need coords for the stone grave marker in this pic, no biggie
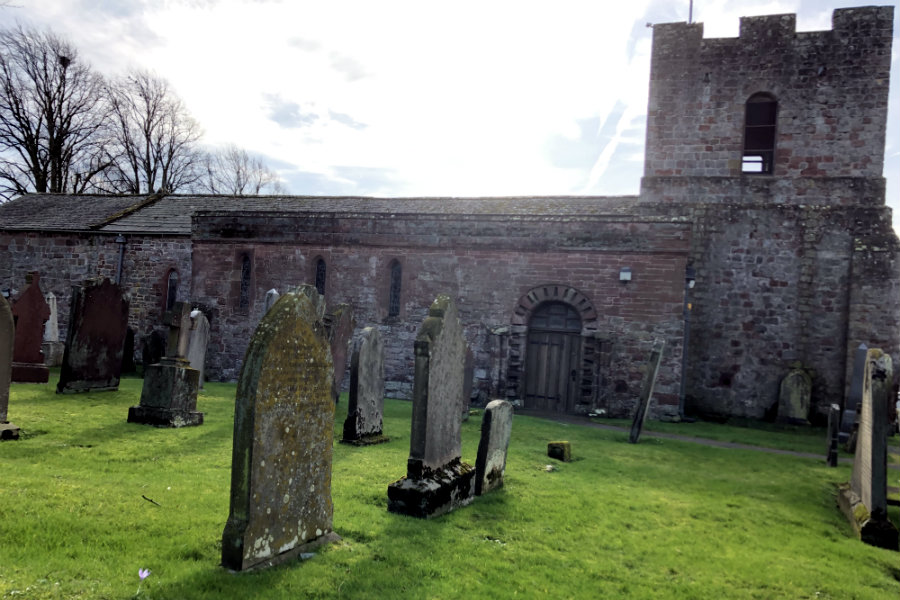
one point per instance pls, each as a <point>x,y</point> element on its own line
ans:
<point>794,397</point>
<point>363,425</point>
<point>864,499</point>
<point>30,312</point>
<point>272,297</point>
<point>437,481</point>
<point>128,365</point>
<point>490,464</point>
<point>51,346</point>
<point>169,393</point>
<point>849,422</point>
<point>560,450</point>
<point>198,343</point>
<point>281,502</point>
<point>339,324</point>
<point>643,408</point>
<point>468,376</point>
<point>8,431</point>
<point>95,340</point>
<point>834,417</point>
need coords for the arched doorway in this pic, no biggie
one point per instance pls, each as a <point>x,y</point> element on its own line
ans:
<point>553,358</point>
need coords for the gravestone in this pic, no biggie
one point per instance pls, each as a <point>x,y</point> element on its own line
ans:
<point>864,499</point>
<point>198,343</point>
<point>437,481</point>
<point>128,365</point>
<point>468,375</point>
<point>794,397</point>
<point>561,450</point>
<point>30,312</point>
<point>52,348</point>
<point>849,422</point>
<point>154,349</point>
<point>98,321</point>
<point>834,417</point>
<point>272,297</point>
<point>169,393</point>
<point>643,408</point>
<point>339,324</point>
<point>490,464</point>
<point>363,425</point>
<point>8,431</point>
<point>283,428</point>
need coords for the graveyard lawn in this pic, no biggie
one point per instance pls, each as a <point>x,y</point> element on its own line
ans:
<point>88,500</point>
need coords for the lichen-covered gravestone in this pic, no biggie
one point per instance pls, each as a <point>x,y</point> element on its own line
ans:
<point>8,431</point>
<point>794,397</point>
<point>199,340</point>
<point>864,499</point>
<point>98,322</point>
<point>496,427</point>
<point>30,311</point>
<point>169,393</point>
<point>643,407</point>
<point>283,431</point>
<point>339,324</point>
<point>437,481</point>
<point>363,425</point>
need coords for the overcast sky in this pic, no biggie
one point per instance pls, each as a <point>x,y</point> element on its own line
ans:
<point>413,98</point>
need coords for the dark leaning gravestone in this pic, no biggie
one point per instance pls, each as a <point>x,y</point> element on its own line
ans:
<point>490,464</point>
<point>365,410</point>
<point>864,499</point>
<point>8,431</point>
<point>436,481</point>
<point>169,393</point>
<point>283,430</point>
<point>849,416</point>
<point>643,408</point>
<point>339,324</point>
<point>98,321</point>
<point>30,312</point>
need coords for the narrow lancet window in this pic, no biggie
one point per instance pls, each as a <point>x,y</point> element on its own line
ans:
<point>320,276</point>
<point>759,134</point>
<point>394,300</point>
<point>171,289</point>
<point>244,302</point>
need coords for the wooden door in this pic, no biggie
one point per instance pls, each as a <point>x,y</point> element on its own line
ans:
<point>553,358</point>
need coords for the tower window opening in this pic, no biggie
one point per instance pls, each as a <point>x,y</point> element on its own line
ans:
<point>759,134</point>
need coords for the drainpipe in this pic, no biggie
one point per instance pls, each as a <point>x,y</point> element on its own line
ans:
<point>120,240</point>
<point>689,280</point>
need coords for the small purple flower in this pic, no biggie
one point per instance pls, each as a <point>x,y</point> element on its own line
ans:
<point>143,573</point>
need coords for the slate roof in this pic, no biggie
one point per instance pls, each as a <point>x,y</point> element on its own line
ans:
<point>61,212</point>
<point>172,214</point>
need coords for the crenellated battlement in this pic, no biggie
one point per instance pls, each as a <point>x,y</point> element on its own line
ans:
<point>821,98</point>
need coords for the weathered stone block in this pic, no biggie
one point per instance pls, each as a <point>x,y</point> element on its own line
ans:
<point>560,451</point>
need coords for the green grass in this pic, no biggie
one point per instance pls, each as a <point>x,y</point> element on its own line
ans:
<point>660,519</point>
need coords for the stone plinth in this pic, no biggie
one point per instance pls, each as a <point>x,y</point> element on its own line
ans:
<point>169,396</point>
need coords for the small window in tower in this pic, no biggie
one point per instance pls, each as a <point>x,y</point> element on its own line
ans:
<point>171,289</point>
<point>244,300</point>
<point>394,300</point>
<point>320,276</point>
<point>759,134</point>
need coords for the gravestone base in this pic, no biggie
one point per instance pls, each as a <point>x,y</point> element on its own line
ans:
<point>367,440</point>
<point>8,431</point>
<point>433,492</point>
<point>873,529</point>
<point>169,396</point>
<point>289,555</point>
<point>53,353</point>
<point>30,373</point>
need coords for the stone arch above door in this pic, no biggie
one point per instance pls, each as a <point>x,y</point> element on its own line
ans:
<point>592,345</point>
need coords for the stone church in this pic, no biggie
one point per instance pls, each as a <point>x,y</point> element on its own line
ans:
<point>760,242</point>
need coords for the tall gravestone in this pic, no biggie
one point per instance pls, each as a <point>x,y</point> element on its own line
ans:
<point>283,428</point>
<point>834,417</point>
<point>272,297</point>
<point>794,397</point>
<point>98,322</point>
<point>198,343</point>
<point>437,481</point>
<point>496,428</point>
<point>339,324</point>
<point>847,434</point>
<point>8,431</point>
<point>51,346</point>
<point>643,408</point>
<point>864,499</point>
<point>363,425</point>
<point>30,312</point>
<point>169,393</point>
<point>468,376</point>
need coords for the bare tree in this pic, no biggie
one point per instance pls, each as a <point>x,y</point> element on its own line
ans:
<point>233,171</point>
<point>155,136</point>
<point>52,115</point>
